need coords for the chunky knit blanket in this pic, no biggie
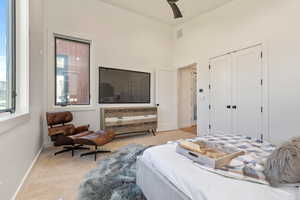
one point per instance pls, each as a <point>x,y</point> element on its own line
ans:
<point>248,167</point>
<point>114,178</point>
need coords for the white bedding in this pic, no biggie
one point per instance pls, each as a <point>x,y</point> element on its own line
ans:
<point>198,184</point>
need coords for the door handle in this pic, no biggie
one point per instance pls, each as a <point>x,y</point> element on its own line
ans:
<point>234,107</point>
<point>228,106</point>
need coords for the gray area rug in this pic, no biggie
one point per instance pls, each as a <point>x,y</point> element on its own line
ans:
<point>114,178</point>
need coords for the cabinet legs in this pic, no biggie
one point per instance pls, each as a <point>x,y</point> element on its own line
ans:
<point>153,132</point>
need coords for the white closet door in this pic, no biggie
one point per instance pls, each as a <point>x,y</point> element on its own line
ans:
<point>220,95</point>
<point>247,92</point>
<point>166,95</point>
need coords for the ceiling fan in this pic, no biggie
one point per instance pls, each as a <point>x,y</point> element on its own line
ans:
<point>176,10</point>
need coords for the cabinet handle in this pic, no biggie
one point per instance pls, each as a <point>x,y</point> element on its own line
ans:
<point>228,106</point>
<point>234,107</point>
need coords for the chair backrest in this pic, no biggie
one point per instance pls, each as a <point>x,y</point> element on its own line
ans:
<point>56,122</point>
<point>57,118</point>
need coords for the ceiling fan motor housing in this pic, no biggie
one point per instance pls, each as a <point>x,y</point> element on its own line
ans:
<point>175,9</point>
<point>172,1</point>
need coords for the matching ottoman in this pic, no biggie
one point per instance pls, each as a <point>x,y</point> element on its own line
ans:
<point>96,139</point>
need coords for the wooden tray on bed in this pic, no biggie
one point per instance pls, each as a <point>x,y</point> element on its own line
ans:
<point>205,155</point>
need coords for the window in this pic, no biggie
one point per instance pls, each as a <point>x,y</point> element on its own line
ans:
<point>72,72</point>
<point>7,56</point>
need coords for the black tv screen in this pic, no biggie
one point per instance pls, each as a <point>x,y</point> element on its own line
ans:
<point>123,86</point>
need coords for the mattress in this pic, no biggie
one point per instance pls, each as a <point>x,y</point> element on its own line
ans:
<point>156,187</point>
<point>197,183</point>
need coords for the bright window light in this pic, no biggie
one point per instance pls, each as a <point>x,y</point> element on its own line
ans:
<point>72,77</point>
<point>7,56</point>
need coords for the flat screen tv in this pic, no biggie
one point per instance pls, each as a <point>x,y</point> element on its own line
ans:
<point>123,86</point>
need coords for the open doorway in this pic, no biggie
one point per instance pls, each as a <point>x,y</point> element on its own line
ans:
<point>187,98</point>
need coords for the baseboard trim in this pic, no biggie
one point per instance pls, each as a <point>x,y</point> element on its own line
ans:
<point>27,173</point>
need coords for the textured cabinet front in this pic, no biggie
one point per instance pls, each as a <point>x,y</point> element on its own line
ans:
<point>125,120</point>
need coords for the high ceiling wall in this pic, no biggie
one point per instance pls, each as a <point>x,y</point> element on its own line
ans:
<point>20,144</point>
<point>242,23</point>
<point>120,39</point>
<point>161,11</point>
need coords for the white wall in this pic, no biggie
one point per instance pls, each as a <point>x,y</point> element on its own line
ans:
<point>241,23</point>
<point>20,144</point>
<point>123,39</point>
<point>119,39</point>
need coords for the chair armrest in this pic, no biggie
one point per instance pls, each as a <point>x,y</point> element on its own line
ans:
<point>81,129</point>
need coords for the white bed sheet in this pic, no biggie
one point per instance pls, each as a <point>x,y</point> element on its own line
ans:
<point>198,184</point>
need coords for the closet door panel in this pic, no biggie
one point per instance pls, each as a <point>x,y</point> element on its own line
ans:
<point>220,95</point>
<point>247,92</point>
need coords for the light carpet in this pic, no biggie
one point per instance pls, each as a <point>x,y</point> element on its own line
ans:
<point>58,177</point>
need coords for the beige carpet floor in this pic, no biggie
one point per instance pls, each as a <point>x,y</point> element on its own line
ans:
<point>192,129</point>
<point>58,177</point>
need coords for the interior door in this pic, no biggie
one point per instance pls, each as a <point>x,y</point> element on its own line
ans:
<point>247,92</point>
<point>166,95</point>
<point>221,94</point>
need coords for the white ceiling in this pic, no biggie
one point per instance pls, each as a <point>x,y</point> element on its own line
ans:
<point>160,9</point>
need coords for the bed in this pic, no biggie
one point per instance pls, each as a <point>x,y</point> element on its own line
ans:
<point>163,174</point>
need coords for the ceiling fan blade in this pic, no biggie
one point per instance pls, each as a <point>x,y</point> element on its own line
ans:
<point>176,11</point>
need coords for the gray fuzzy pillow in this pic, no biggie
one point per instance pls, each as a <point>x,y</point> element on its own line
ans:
<point>283,165</point>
